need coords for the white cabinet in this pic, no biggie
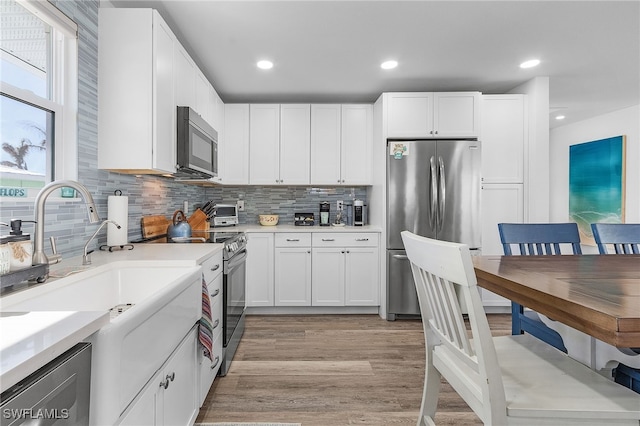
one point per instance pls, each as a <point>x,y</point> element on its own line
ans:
<point>295,143</point>
<point>500,203</point>
<point>279,144</point>
<point>504,135</point>
<point>341,144</point>
<point>264,142</point>
<point>432,114</point>
<point>342,272</point>
<point>260,264</point>
<point>136,106</point>
<point>292,269</point>
<point>234,148</point>
<point>169,398</point>
<point>208,368</point>
<point>203,105</point>
<point>185,77</point>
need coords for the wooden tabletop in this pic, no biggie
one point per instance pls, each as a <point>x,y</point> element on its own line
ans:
<point>596,294</point>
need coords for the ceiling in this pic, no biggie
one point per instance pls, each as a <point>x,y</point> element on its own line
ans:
<point>330,51</point>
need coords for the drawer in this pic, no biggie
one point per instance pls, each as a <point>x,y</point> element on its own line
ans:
<point>346,239</point>
<point>208,369</point>
<point>212,267</point>
<point>293,239</point>
<point>215,289</point>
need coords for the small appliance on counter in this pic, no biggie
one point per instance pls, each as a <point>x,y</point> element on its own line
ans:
<point>348,213</point>
<point>225,215</point>
<point>359,213</point>
<point>325,210</point>
<point>303,219</point>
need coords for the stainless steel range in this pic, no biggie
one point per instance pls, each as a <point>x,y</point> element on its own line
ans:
<point>233,289</point>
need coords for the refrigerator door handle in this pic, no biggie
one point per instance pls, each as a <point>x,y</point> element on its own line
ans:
<point>433,175</point>
<point>441,194</point>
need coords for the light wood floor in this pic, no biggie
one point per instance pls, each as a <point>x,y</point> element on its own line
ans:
<point>332,370</point>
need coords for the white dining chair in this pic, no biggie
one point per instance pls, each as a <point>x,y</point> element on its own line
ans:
<point>515,379</point>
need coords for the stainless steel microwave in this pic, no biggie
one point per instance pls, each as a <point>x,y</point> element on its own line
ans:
<point>197,146</point>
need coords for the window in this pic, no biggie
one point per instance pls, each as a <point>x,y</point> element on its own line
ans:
<point>38,102</point>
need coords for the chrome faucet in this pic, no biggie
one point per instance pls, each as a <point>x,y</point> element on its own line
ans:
<point>86,260</point>
<point>39,257</point>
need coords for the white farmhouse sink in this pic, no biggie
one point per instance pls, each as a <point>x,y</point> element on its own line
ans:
<point>164,304</point>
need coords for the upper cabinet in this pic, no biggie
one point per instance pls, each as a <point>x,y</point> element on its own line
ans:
<point>295,145</point>
<point>185,77</point>
<point>504,133</point>
<point>341,139</point>
<point>234,151</point>
<point>432,114</point>
<point>136,102</point>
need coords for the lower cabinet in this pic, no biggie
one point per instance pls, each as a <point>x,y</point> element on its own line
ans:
<point>292,269</point>
<point>169,398</point>
<point>345,269</point>
<point>313,269</point>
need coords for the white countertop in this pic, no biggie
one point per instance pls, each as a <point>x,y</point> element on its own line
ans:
<point>29,340</point>
<point>293,228</point>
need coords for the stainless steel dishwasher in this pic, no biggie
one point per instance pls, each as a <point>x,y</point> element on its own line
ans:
<point>57,394</point>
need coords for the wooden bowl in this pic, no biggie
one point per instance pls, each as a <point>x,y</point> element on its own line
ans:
<point>268,219</point>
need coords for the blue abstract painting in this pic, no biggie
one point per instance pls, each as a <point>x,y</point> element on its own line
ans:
<point>596,184</point>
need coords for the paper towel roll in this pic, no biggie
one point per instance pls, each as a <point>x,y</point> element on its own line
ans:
<point>118,211</point>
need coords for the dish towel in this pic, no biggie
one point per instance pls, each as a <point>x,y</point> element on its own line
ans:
<point>205,327</point>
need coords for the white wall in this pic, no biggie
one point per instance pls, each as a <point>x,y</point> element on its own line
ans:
<point>623,122</point>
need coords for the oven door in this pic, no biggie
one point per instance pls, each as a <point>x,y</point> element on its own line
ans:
<point>234,293</point>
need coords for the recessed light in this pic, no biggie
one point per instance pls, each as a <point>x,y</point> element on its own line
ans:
<point>530,64</point>
<point>265,65</point>
<point>559,117</point>
<point>388,65</point>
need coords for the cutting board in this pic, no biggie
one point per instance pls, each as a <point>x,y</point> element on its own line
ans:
<point>154,225</point>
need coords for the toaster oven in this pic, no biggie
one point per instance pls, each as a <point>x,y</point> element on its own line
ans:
<point>225,215</point>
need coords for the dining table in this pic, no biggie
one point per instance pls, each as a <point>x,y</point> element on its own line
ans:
<point>598,295</point>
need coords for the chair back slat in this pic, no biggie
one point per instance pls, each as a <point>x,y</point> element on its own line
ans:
<point>539,238</point>
<point>624,238</point>
<point>439,269</point>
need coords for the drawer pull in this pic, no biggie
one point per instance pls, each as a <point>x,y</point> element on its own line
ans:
<point>215,268</point>
<point>214,365</point>
<point>328,239</point>
<point>215,293</point>
<point>293,239</point>
<point>171,376</point>
<point>164,383</point>
<point>362,239</point>
<point>215,324</point>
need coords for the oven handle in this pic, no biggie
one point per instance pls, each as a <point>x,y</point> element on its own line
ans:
<point>236,261</point>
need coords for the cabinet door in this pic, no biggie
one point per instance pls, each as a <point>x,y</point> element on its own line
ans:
<point>409,115</point>
<point>203,106</point>
<point>144,409</point>
<point>362,285</point>
<point>325,144</point>
<point>357,141</point>
<point>293,276</point>
<point>504,132</point>
<point>185,78</point>
<point>327,277</point>
<point>179,398</point>
<point>260,262</point>
<point>235,145</point>
<point>456,114</point>
<point>500,203</point>
<point>264,141</point>
<point>164,152</point>
<point>295,143</point>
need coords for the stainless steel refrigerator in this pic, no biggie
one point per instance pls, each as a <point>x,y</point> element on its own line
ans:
<point>433,190</point>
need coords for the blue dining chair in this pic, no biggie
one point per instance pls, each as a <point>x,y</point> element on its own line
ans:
<point>624,237</point>
<point>531,239</point>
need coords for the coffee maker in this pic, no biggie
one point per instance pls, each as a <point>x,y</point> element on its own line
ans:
<point>359,213</point>
<point>324,213</point>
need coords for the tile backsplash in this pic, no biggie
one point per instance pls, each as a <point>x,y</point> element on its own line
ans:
<point>283,201</point>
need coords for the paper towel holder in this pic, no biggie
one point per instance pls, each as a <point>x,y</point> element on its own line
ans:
<point>114,247</point>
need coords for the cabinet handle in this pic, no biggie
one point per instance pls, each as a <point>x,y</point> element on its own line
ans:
<point>348,252</point>
<point>309,251</point>
<point>215,363</point>
<point>328,239</point>
<point>293,239</point>
<point>217,292</point>
<point>338,180</point>
<point>215,324</point>
<point>171,376</point>
<point>164,383</point>
<point>362,239</point>
<point>215,268</point>
<point>342,251</point>
<point>342,180</point>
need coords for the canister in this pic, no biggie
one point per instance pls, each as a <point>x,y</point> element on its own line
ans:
<point>348,207</point>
